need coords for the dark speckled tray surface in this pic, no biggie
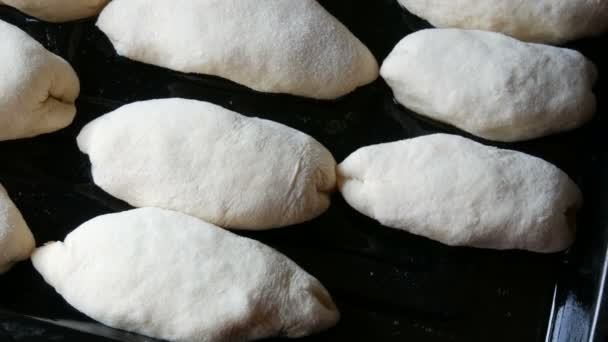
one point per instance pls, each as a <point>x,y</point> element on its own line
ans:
<point>389,285</point>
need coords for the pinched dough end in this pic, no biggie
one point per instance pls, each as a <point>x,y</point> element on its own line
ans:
<point>46,258</point>
<point>316,309</point>
<point>60,105</point>
<point>85,137</point>
<point>37,94</point>
<point>57,110</point>
<point>321,177</point>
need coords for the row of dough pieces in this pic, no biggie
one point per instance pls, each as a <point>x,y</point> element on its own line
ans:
<point>485,83</point>
<point>542,21</point>
<point>249,173</point>
<point>366,179</point>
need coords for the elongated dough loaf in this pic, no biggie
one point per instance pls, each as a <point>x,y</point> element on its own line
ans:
<point>58,11</point>
<point>275,46</point>
<point>16,239</point>
<point>171,276</point>
<point>462,193</point>
<point>209,162</point>
<point>37,87</point>
<point>543,21</point>
<point>491,85</point>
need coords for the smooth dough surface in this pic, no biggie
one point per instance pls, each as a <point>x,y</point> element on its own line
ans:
<point>16,239</point>
<point>543,21</point>
<point>58,11</point>
<point>276,46</point>
<point>462,193</point>
<point>37,87</point>
<point>171,276</point>
<point>201,159</point>
<point>491,85</point>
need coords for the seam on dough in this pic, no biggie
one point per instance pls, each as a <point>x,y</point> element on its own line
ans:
<point>351,178</point>
<point>58,99</point>
<point>318,186</point>
<point>294,178</point>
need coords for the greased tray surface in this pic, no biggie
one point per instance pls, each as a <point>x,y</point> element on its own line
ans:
<point>389,285</point>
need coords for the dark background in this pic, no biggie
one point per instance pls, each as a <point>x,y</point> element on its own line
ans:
<point>389,285</point>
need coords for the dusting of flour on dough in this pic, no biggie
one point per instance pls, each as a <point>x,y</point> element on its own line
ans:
<point>492,85</point>
<point>279,46</point>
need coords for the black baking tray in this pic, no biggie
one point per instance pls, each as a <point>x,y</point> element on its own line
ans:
<point>389,285</point>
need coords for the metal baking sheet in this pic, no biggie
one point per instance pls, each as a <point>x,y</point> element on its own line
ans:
<point>389,285</point>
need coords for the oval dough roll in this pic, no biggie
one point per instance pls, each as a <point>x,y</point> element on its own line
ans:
<point>16,239</point>
<point>209,162</point>
<point>491,85</point>
<point>58,11</point>
<point>276,46</point>
<point>37,87</point>
<point>542,21</point>
<point>462,193</point>
<point>171,276</point>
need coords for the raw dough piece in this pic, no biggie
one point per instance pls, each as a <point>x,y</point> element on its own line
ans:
<point>209,162</point>
<point>37,88</point>
<point>491,85</point>
<point>16,240</point>
<point>462,193</point>
<point>543,21</point>
<point>275,46</point>
<point>58,11</point>
<point>171,276</point>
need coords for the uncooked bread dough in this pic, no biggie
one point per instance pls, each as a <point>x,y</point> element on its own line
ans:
<point>543,21</point>
<point>58,11</point>
<point>462,193</point>
<point>275,46</point>
<point>171,276</point>
<point>37,88</point>
<point>209,162</point>
<point>491,85</point>
<point>16,239</point>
